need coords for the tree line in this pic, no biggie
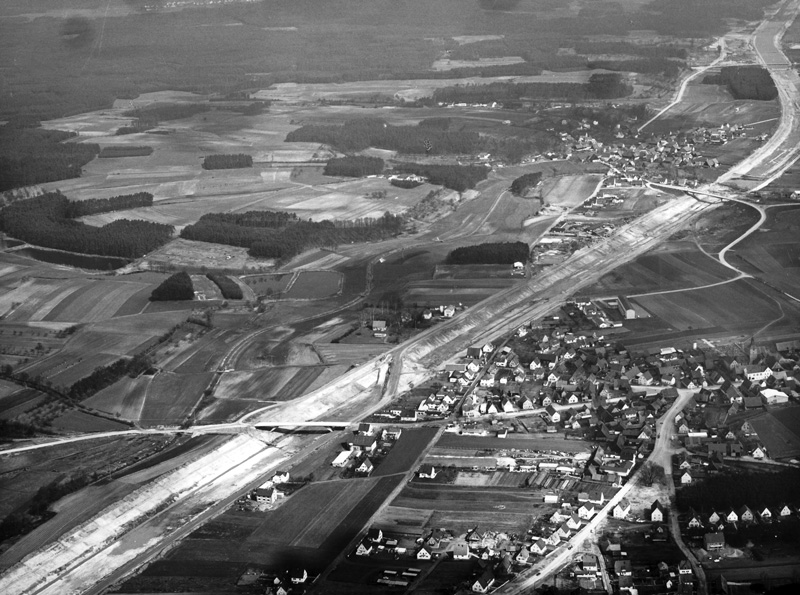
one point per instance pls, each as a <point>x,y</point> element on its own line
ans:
<point>718,492</point>
<point>92,206</point>
<point>230,161</point>
<point>490,253</point>
<point>522,184</point>
<point>34,156</point>
<point>105,376</point>
<point>45,221</point>
<point>745,82</point>
<point>229,288</point>
<point>664,66</point>
<point>355,166</point>
<point>361,133</point>
<point>455,177</point>
<point>290,239</point>
<point>116,151</point>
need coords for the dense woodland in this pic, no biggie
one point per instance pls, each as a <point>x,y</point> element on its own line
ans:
<point>455,177</point>
<point>229,288</point>
<point>116,151</point>
<point>355,166</point>
<point>45,221</point>
<point>361,133</point>
<point>230,161</point>
<point>490,253</point>
<point>261,233</point>
<point>525,182</point>
<point>176,287</point>
<point>92,206</point>
<point>745,82</point>
<point>719,492</point>
<point>600,86</point>
<point>35,156</point>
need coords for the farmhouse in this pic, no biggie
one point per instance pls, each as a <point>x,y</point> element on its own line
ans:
<point>427,471</point>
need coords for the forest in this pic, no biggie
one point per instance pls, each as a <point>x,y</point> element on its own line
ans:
<point>176,287</point>
<point>361,133</point>
<point>116,151</point>
<point>719,492</point>
<point>35,156</point>
<point>230,161</point>
<point>490,253</point>
<point>525,182</point>
<point>354,166</point>
<point>269,240</point>
<point>45,221</point>
<point>230,290</point>
<point>455,177</point>
<point>92,206</point>
<point>745,82</point>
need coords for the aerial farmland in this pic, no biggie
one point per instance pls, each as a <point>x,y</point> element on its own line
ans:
<point>398,297</point>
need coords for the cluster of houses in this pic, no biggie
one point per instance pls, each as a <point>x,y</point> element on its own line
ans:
<point>361,447</point>
<point>715,522</point>
<point>294,581</point>
<point>269,492</point>
<point>633,576</point>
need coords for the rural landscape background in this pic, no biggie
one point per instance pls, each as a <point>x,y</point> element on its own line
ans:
<point>364,297</point>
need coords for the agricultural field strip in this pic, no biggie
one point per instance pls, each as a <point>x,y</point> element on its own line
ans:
<point>321,524</point>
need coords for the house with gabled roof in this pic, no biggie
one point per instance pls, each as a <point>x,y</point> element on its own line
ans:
<point>622,509</point>
<point>539,547</point>
<point>695,522</point>
<point>657,512</point>
<point>484,581</point>
<point>745,514</point>
<point>764,513</point>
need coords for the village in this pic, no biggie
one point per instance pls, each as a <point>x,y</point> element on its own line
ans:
<point>554,421</point>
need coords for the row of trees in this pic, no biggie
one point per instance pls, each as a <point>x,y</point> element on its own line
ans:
<point>522,184</point>
<point>91,206</point>
<point>455,177</point>
<point>745,82</point>
<point>719,492</point>
<point>631,49</point>
<point>45,221</point>
<point>231,161</point>
<point>361,133</point>
<point>229,288</point>
<point>355,166</point>
<point>105,376</point>
<point>34,156</point>
<point>116,151</point>
<point>177,287</point>
<point>490,253</point>
<point>600,86</point>
<point>294,237</point>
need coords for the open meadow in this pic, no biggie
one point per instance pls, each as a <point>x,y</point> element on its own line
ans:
<point>308,529</point>
<point>677,265</point>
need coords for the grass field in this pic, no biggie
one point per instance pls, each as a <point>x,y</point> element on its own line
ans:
<point>569,191</point>
<point>79,422</point>
<point>454,291</point>
<point>773,254</point>
<point>171,397</point>
<point>124,398</point>
<point>736,306</point>
<point>779,430</point>
<point>313,285</point>
<point>674,267</point>
<point>267,284</point>
<point>308,529</point>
